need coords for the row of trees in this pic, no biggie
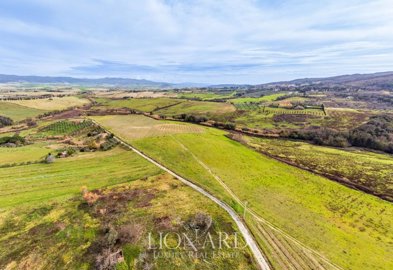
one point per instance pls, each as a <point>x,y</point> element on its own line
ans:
<point>319,136</point>
<point>376,134</point>
<point>200,119</point>
<point>192,118</point>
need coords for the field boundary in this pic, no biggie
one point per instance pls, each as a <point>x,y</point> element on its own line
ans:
<point>331,177</point>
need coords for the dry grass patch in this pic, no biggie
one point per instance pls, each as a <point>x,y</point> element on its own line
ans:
<point>51,104</point>
<point>138,126</point>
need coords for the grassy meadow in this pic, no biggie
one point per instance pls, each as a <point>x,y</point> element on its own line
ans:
<point>198,108</point>
<point>364,168</point>
<point>46,223</point>
<point>77,233</point>
<point>27,153</point>
<point>343,226</point>
<point>41,182</point>
<point>267,98</point>
<point>140,104</point>
<point>18,112</point>
<point>205,95</point>
<point>340,118</point>
<point>169,106</point>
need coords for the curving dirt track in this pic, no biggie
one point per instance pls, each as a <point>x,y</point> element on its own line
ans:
<point>259,257</point>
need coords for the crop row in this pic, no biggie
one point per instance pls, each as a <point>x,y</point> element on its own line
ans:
<point>67,127</point>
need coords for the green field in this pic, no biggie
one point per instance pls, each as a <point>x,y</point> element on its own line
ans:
<point>79,233</point>
<point>269,110</point>
<point>170,106</point>
<point>66,127</point>
<point>198,108</point>
<point>140,104</point>
<point>255,118</point>
<point>344,119</point>
<point>348,227</point>
<point>138,126</point>
<point>27,153</point>
<point>367,169</point>
<point>205,95</point>
<point>242,113</point>
<point>40,182</point>
<point>267,98</point>
<point>261,117</point>
<point>18,112</point>
<point>45,222</point>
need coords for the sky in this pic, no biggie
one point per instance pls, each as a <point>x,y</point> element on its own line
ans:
<point>205,41</point>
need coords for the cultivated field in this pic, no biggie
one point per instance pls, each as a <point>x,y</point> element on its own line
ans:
<point>205,95</point>
<point>18,112</point>
<point>267,98</point>
<point>40,182</point>
<point>140,104</point>
<point>248,112</point>
<point>28,153</point>
<point>51,104</point>
<point>137,94</point>
<point>65,127</point>
<point>369,170</point>
<point>333,225</point>
<point>170,106</point>
<point>198,108</point>
<point>138,126</point>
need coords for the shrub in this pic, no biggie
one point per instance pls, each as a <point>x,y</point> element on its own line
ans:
<point>230,126</point>
<point>16,139</point>
<point>5,121</point>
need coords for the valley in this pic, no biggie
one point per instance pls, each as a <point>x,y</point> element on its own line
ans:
<point>281,166</point>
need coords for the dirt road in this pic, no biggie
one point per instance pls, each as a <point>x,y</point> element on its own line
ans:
<point>259,257</point>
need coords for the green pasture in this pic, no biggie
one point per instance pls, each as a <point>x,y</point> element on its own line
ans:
<point>40,182</point>
<point>18,112</point>
<point>348,227</point>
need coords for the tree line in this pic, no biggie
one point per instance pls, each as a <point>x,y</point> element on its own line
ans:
<point>376,134</point>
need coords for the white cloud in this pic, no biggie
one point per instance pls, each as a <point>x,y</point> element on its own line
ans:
<point>257,40</point>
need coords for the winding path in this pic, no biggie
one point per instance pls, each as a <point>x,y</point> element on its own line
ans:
<point>262,262</point>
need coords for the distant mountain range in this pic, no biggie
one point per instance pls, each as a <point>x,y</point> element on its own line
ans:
<point>382,80</point>
<point>378,81</point>
<point>124,82</point>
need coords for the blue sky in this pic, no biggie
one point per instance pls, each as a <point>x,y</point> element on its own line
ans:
<point>209,41</point>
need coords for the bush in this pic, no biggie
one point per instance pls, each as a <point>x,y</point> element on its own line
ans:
<point>5,121</point>
<point>16,139</point>
<point>230,126</point>
<point>192,118</point>
<point>30,122</point>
